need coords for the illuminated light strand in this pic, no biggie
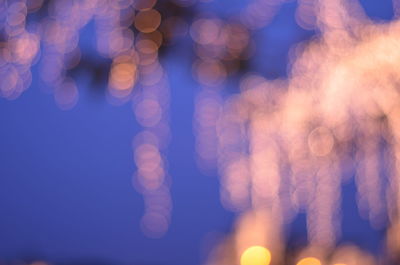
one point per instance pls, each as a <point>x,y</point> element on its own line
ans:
<point>206,32</point>
<point>219,46</point>
<point>208,105</point>
<point>60,38</point>
<point>151,109</point>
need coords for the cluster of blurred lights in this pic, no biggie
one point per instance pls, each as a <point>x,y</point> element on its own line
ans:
<point>151,178</point>
<point>19,50</point>
<point>135,62</point>
<point>220,47</point>
<point>151,110</point>
<point>281,146</point>
<point>288,145</point>
<point>344,255</point>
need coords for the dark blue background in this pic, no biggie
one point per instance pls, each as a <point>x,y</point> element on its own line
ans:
<point>65,176</point>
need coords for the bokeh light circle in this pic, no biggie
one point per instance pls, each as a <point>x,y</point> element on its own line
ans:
<point>256,255</point>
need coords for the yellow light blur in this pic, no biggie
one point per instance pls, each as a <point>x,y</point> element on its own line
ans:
<point>256,255</point>
<point>309,261</point>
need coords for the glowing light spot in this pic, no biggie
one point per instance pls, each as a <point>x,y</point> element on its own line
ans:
<point>210,72</point>
<point>154,36</point>
<point>309,261</point>
<point>256,255</point>
<point>122,76</point>
<point>154,225</point>
<point>146,46</point>
<point>147,21</point>
<point>25,48</point>
<point>148,112</point>
<point>120,40</point>
<point>205,31</point>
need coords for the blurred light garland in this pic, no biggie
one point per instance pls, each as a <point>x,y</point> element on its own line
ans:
<point>134,64</point>
<point>288,145</point>
<point>281,146</point>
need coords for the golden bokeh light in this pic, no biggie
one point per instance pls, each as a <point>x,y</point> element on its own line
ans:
<point>309,261</point>
<point>154,36</point>
<point>255,255</point>
<point>148,20</point>
<point>210,73</point>
<point>123,76</point>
